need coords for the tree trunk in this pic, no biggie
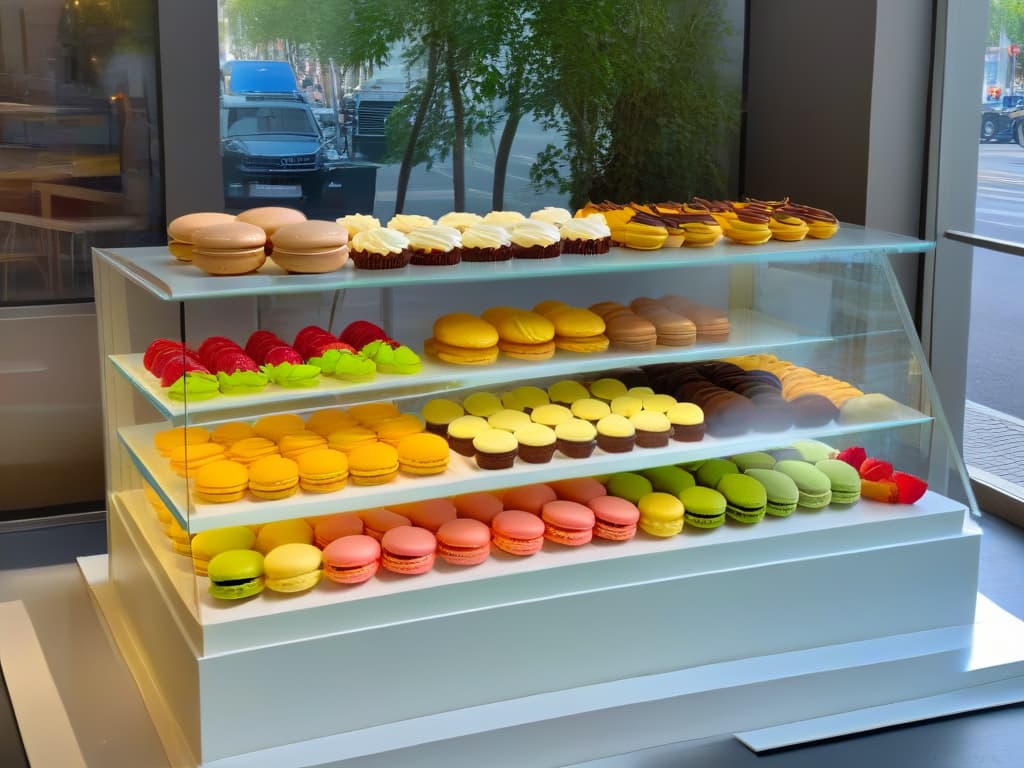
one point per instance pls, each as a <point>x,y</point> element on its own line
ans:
<point>459,142</point>
<point>508,135</point>
<point>405,170</point>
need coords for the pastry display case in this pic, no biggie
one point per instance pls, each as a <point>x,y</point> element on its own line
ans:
<point>567,633</point>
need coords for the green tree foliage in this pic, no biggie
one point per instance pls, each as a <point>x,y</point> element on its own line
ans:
<point>1006,15</point>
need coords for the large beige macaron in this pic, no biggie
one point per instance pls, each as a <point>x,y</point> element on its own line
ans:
<point>232,248</point>
<point>181,231</point>
<point>270,219</point>
<point>310,247</point>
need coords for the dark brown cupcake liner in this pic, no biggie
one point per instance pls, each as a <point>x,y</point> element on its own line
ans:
<point>436,258</point>
<point>503,253</point>
<point>610,444</point>
<point>688,433</point>
<point>495,460</point>
<point>575,449</point>
<point>367,260</point>
<point>645,439</point>
<point>462,445</point>
<point>587,247</point>
<point>536,454</point>
<point>437,429</point>
<point>536,251</point>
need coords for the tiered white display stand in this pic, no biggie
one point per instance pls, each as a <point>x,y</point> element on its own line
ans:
<point>841,620</point>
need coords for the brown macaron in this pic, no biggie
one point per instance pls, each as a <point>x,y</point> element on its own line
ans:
<point>231,248</point>
<point>270,219</point>
<point>631,333</point>
<point>310,247</point>
<point>181,231</point>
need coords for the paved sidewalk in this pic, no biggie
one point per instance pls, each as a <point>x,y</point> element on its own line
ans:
<point>994,447</point>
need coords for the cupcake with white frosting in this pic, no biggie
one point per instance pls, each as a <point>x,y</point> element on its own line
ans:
<point>460,220</point>
<point>486,242</point>
<point>505,219</point>
<point>534,239</point>
<point>588,235</point>
<point>380,249</point>
<point>407,222</point>
<point>355,223</point>
<point>552,215</point>
<point>435,246</point>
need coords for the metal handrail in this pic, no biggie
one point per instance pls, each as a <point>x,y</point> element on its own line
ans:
<point>989,243</point>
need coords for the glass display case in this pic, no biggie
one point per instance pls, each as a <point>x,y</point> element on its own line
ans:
<point>725,596</point>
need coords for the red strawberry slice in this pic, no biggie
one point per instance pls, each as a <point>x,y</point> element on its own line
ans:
<point>154,349</point>
<point>170,354</point>
<point>911,487</point>
<point>231,360</point>
<point>282,354</point>
<point>210,349</point>
<point>361,332</point>
<point>854,456</point>
<point>260,343</point>
<point>178,367</point>
<point>875,469</point>
<point>882,490</point>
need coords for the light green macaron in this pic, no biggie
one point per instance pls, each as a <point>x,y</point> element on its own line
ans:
<point>669,479</point>
<point>780,489</point>
<point>745,498</point>
<point>711,472</point>
<point>844,479</point>
<point>628,485</point>
<point>705,507</point>
<point>753,460</point>
<point>813,484</point>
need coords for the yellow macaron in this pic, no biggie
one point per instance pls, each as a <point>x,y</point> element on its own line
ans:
<point>274,477</point>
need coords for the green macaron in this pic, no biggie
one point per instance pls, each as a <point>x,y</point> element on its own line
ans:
<point>629,486</point>
<point>753,460</point>
<point>669,479</point>
<point>704,507</point>
<point>845,480</point>
<point>814,450</point>
<point>235,574</point>
<point>711,472</point>
<point>745,498</point>
<point>813,484</point>
<point>780,489</point>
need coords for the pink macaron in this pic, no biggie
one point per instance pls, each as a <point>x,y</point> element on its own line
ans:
<point>568,523</point>
<point>351,559</point>
<point>517,532</point>
<point>478,506</point>
<point>377,522</point>
<point>578,489</point>
<point>529,498</point>
<point>615,518</point>
<point>408,550</point>
<point>464,542</point>
<point>335,527</point>
<point>430,514</point>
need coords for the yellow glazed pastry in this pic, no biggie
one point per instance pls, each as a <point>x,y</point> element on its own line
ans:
<point>786,226</point>
<point>645,232</point>
<point>821,224</point>
<point>748,228</point>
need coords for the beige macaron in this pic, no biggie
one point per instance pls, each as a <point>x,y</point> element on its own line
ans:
<point>232,248</point>
<point>310,247</point>
<point>270,219</point>
<point>181,231</point>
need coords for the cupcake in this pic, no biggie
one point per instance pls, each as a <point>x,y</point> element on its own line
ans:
<point>358,222</point>
<point>379,249</point>
<point>461,432</point>
<point>653,429</point>
<point>460,220</point>
<point>504,219</point>
<point>588,236</point>
<point>536,443</point>
<point>535,240</point>
<point>508,420</point>
<point>439,413</point>
<point>590,409</point>
<point>607,389</point>
<point>567,392</point>
<point>687,420</point>
<point>435,246</point>
<point>406,222</point>
<point>626,405</point>
<point>486,242</point>
<point>616,434</point>
<point>495,449</point>
<point>576,438</point>
<point>552,215</point>
<point>525,398</point>
<point>550,415</point>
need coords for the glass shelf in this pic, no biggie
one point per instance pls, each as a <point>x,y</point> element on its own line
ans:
<point>155,270</point>
<point>750,331</point>
<point>462,475</point>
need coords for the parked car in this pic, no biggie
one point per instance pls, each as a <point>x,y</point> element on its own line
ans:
<point>368,109</point>
<point>1003,124</point>
<point>267,77</point>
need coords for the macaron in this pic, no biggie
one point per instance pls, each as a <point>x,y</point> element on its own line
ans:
<point>346,439</point>
<point>229,248</point>
<point>373,464</point>
<point>310,247</point>
<point>430,514</point>
<point>616,518</point>
<point>781,491</point>
<point>271,218</point>
<point>480,506</point>
<point>843,478</point>
<point>277,425</point>
<point>517,532</point>
<point>252,449</point>
<point>167,440</point>
<point>615,434</point>
<point>704,507</point>
<point>187,460</point>
<point>464,542</point>
<point>529,498</point>
<point>568,523</point>
<point>273,535</point>
<point>578,489</point>
<point>495,449</point>
<point>753,460</point>
<point>464,339</point>
<point>672,480</point>
<point>576,438</point>
<point>181,231</point>
<point>408,550</point>
<point>377,522</point>
<point>423,454</point>
<point>712,470</point>
<point>292,568</point>
<point>628,485</point>
<point>208,544</point>
<point>327,420</point>
<point>322,470</point>
<point>181,540</point>
<point>220,482</point>
<point>392,431</point>
<point>745,497</point>
<point>536,443</point>
<point>236,574</point>
<point>814,486</point>
<point>461,432</point>
<point>274,477</point>
<point>371,414</point>
<point>230,432</point>
<point>814,451</point>
<point>337,526</point>
<point>351,559</point>
<point>661,514</point>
